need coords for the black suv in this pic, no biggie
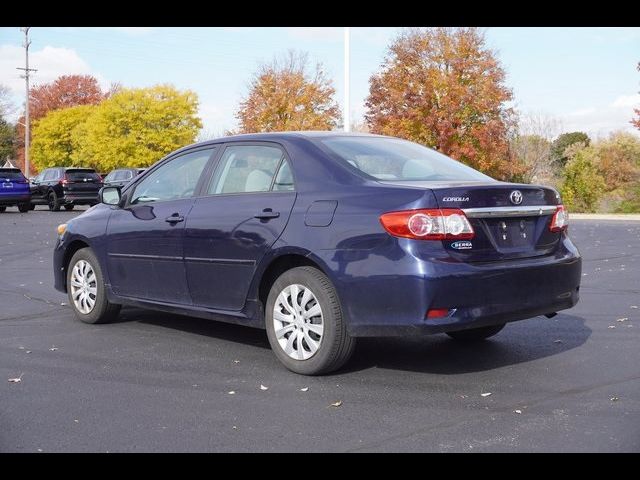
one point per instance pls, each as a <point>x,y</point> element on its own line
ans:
<point>65,187</point>
<point>121,176</point>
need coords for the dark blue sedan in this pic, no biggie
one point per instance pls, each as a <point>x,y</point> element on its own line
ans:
<point>322,237</point>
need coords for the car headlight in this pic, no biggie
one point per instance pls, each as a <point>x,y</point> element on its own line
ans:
<point>61,229</point>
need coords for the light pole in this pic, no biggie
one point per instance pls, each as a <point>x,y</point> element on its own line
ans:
<point>26,69</point>
<point>347,101</point>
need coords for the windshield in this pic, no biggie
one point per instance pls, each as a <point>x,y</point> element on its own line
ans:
<point>387,158</point>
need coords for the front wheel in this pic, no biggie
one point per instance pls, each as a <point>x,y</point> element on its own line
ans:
<point>476,334</point>
<point>23,207</point>
<point>304,323</point>
<point>85,287</point>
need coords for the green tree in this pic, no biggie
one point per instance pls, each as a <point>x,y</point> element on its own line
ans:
<point>136,127</point>
<point>54,141</point>
<point>7,141</point>
<point>564,141</point>
<point>583,185</point>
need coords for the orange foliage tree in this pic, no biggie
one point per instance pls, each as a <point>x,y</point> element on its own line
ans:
<point>285,95</point>
<point>65,91</point>
<point>444,88</point>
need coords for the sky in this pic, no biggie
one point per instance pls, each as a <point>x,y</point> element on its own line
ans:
<point>584,78</point>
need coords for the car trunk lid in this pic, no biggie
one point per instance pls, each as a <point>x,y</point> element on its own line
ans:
<point>80,180</point>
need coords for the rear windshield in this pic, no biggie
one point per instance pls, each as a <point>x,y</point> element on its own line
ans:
<point>75,175</point>
<point>386,158</point>
<point>11,175</point>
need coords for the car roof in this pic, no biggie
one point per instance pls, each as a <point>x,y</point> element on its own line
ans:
<point>276,136</point>
<point>9,169</point>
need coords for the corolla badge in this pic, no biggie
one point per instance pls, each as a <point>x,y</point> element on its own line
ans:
<point>455,199</point>
<point>462,245</point>
<point>516,197</point>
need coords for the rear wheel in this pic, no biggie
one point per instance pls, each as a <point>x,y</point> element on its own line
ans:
<point>23,207</point>
<point>53,202</point>
<point>304,323</point>
<point>68,208</point>
<point>476,334</point>
<point>86,290</point>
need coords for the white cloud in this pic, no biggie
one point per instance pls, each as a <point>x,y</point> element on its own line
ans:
<point>600,121</point>
<point>627,101</point>
<point>51,62</point>
<point>331,34</point>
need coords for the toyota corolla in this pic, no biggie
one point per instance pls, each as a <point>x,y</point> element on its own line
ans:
<point>321,238</point>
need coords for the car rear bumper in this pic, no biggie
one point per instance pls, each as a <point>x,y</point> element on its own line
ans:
<point>396,301</point>
<point>14,198</point>
<point>80,198</point>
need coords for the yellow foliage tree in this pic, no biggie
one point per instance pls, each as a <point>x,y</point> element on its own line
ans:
<point>137,127</point>
<point>53,137</point>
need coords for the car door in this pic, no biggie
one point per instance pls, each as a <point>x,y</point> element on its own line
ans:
<point>145,237</point>
<point>49,180</point>
<point>241,213</point>
<point>34,186</point>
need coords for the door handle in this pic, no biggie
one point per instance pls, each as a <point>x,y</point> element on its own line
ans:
<point>175,218</point>
<point>267,214</point>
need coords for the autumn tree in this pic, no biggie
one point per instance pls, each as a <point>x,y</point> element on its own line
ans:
<point>287,95</point>
<point>54,141</point>
<point>564,141</point>
<point>636,121</point>
<point>444,88</point>
<point>65,91</point>
<point>136,127</point>
<point>618,159</point>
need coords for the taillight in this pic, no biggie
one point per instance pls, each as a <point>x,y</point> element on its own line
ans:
<point>64,181</point>
<point>428,224</point>
<point>560,219</point>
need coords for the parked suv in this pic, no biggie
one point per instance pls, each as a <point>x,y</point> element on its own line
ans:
<point>14,190</point>
<point>65,187</point>
<point>121,176</point>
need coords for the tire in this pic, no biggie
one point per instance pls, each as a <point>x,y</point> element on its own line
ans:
<point>334,346</point>
<point>476,334</point>
<point>69,207</point>
<point>53,201</point>
<point>23,207</point>
<point>2,209</point>
<point>32,207</point>
<point>102,310</point>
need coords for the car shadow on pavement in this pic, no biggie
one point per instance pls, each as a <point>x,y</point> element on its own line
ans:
<point>518,342</point>
<point>198,326</point>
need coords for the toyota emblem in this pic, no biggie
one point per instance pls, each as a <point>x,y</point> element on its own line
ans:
<point>516,197</point>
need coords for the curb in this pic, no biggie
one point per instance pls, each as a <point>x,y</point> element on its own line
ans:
<point>628,217</point>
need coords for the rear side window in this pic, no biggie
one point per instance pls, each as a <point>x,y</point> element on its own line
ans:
<point>81,175</point>
<point>385,158</point>
<point>246,168</point>
<point>11,175</point>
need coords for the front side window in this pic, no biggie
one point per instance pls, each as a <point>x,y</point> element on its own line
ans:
<point>174,180</point>
<point>111,176</point>
<point>246,168</point>
<point>50,175</point>
<point>385,158</point>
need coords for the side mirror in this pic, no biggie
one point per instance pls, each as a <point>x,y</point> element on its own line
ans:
<point>110,195</point>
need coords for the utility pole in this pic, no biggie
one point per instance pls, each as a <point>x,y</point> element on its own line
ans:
<point>26,69</point>
<point>347,101</point>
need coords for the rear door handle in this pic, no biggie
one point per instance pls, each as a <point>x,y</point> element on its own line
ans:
<point>175,218</point>
<point>266,214</point>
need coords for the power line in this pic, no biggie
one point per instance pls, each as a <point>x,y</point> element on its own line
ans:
<point>27,71</point>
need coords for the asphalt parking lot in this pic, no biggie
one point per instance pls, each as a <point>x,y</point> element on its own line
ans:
<point>160,382</point>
